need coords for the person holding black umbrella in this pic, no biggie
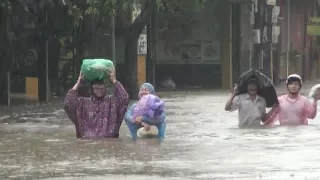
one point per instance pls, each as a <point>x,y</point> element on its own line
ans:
<point>250,105</point>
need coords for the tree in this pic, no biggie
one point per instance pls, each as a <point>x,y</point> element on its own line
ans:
<point>4,6</point>
<point>84,13</point>
<point>131,30</point>
<point>23,24</point>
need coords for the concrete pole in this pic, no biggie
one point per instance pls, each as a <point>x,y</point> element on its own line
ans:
<point>154,45</point>
<point>288,35</point>
<point>47,64</point>
<point>9,89</point>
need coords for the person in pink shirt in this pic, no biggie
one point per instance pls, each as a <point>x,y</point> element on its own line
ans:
<point>293,109</point>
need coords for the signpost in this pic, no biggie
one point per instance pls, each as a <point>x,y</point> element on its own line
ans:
<point>141,49</point>
<point>313,26</point>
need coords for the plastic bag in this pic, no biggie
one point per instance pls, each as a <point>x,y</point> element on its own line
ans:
<point>314,91</point>
<point>143,133</point>
<point>265,89</point>
<point>96,69</point>
<point>149,105</point>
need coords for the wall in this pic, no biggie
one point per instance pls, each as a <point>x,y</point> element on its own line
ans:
<point>226,48</point>
<point>190,39</point>
<point>297,28</point>
<point>191,52</point>
<point>188,47</point>
<point>298,39</point>
<point>246,47</point>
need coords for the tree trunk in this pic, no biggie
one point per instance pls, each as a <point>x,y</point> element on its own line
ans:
<point>131,66</point>
<point>132,33</point>
<point>5,67</point>
<point>41,64</point>
<point>5,54</point>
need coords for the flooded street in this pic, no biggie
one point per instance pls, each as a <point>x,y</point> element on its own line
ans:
<point>202,142</point>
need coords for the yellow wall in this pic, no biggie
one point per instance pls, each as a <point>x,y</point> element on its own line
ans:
<point>141,58</point>
<point>226,49</point>
<point>141,69</point>
<point>32,88</point>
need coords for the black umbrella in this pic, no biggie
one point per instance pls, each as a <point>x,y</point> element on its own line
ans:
<point>266,88</point>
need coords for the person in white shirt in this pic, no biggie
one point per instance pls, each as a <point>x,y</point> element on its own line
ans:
<point>251,106</point>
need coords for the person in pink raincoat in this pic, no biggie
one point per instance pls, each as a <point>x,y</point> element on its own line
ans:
<point>99,115</point>
<point>293,109</point>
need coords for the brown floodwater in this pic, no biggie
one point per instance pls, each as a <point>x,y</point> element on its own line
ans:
<point>202,142</point>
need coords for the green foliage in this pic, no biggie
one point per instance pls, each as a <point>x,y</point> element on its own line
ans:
<point>77,15</point>
<point>93,8</point>
<point>176,7</point>
<point>5,4</point>
<point>102,8</point>
<point>65,41</point>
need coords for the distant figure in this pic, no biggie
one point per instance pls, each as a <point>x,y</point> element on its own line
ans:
<point>168,83</point>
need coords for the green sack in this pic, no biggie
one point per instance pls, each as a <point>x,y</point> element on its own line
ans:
<point>96,69</point>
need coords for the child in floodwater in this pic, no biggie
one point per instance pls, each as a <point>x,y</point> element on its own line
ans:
<point>149,105</point>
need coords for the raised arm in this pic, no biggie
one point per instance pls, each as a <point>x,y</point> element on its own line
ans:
<point>310,109</point>
<point>271,117</point>
<point>70,104</point>
<point>121,95</point>
<point>72,100</point>
<point>122,99</point>
<point>233,103</point>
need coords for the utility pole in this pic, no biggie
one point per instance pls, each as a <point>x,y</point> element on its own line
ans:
<point>73,49</point>
<point>288,34</point>
<point>47,60</point>
<point>263,49</point>
<point>269,23</point>
<point>269,43</point>
<point>258,28</point>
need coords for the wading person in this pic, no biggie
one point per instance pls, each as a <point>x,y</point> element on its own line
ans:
<point>293,109</point>
<point>251,106</point>
<point>99,115</point>
<point>145,121</point>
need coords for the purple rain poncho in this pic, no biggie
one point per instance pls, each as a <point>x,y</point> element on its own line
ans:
<point>149,105</point>
<point>97,117</point>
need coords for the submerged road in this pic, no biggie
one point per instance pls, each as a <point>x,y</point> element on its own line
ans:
<point>203,142</point>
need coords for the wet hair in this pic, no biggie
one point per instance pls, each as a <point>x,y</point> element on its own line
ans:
<point>97,81</point>
<point>253,81</point>
<point>294,79</point>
